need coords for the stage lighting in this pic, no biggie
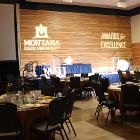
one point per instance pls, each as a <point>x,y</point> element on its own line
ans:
<point>122,65</point>
<point>69,1</point>
<point>122,3</point>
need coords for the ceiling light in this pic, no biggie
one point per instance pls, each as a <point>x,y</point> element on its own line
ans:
<point>69,1</point>
<point>122,4</point>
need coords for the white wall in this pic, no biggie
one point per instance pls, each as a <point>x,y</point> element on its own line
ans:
<point>135,29</point>
<point>7,32</point>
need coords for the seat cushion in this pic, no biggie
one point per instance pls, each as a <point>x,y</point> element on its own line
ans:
<point>42,126</point>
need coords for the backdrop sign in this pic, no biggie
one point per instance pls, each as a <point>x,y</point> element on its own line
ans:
<point>113,40</point>
<point>41,41</point>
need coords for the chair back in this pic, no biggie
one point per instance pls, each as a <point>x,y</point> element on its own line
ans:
<point>84,75</point>
<point>131,95</point>
<point>120,73</point>
<point>53,75</point>
<point>95,77</point>
<point>66,91</point>
<point>128,74</point>
<point>14,86</point>
<point>71,99</point>
<point>69,75</point>
<point>8,117</point>
<point>57,110</point>
<point>55,81</point>
<point>75,82</point>
<point>99,92</point>
<point>92,81</point>
<point>3,86</point>
<point>46,87</point>
<point>122,78</point>
<point>105,83</point>
<point>137,75</point>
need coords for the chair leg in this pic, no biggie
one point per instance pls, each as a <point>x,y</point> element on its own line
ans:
<point>68,126</point>
<point>61,134</point>
<point>64,131</point>
<point>97,110</point>
<point>108,115</point>
<point>53,136</point>
<point>122,115</point>
<point>72,127</point>
<point>100,108</point>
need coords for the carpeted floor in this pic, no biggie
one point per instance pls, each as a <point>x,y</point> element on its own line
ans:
<point>88,127</point>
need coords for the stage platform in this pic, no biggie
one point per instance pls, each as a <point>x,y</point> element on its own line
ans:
<point>77,69</point>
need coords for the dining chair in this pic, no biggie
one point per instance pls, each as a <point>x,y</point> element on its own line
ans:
<point>105,83</point>
<point>3,86</point>
<point>75,84</point>
<point>46,87</point>
<point>9,126</point>
<point>84,75</point>
<point>88,89</point>
<point>71,98</point>
<point>130,99</point>
<point>103,101</point>
<point>56,83</point>
<point>15,86</point>
<point>136,76</point>
<point>66,90</point>
<point>53,123</point>
<point>69,74</point>
<point>129,76</point>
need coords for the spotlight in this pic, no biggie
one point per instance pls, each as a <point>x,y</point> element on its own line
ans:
<point>68,1</point>
<point>123,65</point>
<point>122,3</point>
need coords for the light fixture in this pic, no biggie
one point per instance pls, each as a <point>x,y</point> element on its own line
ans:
<point>122,65</point>
<point>122,3</point>
<point>68,1</point>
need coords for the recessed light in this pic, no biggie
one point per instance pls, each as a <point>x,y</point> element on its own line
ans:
<point>69,1</point>
<point>122,3</point>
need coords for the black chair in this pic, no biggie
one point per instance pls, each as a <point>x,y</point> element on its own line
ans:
<point>120,73</point>
<point>71,98</point>
<point>75,84</point>
<point>87,89</point>
<point>96,77</point>
<point>9,126</point>
<point>69,75</point>
<point>123,79</point>
<point>55,82</point>
<point>14,86</point>
<point>84,75</point>
<point>3,86</point>
<point>103,101</point>
<point>105,83</point>
<point>136,76</point>
<point>66,91</point>
<point>46,87</point>
<point>130,99</point>
<point>129,77</point>
<point>53,123</point>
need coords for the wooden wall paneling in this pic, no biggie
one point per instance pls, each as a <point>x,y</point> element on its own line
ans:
<point>79,35</point>
<point>136,55</point>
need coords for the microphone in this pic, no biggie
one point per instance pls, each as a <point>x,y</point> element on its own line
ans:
<point>58,57</point>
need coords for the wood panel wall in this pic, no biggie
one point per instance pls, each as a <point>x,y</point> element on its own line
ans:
<point>136,55</point>
<point>79,35</point>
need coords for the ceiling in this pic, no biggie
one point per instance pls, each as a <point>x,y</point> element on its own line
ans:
<point>94,3</point>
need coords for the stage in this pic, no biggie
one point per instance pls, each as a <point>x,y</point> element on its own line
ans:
<point>77,69</point>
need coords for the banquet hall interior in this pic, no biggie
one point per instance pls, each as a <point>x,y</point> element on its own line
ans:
<point>69,69</point>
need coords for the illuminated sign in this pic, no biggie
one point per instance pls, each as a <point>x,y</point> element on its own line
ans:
<point>113,40</point>
<point>41,40</point>
<point>41,31</point>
